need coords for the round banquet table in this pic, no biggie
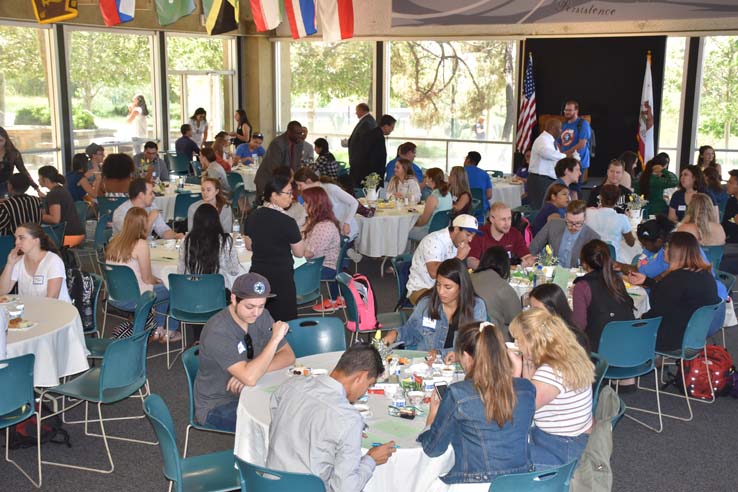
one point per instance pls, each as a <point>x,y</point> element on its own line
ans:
<point>57,340</point>
<point>165,203</point>
<point>508,193</point>
<point>386,233</point>
<point>408,470</point>
<point>248,173</point>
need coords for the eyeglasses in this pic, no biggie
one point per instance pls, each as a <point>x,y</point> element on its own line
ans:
<point>290,193</point>
<point>249,346</point>
<point>575,225</point>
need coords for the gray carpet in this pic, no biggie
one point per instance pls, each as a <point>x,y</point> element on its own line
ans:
<point>694,456</point>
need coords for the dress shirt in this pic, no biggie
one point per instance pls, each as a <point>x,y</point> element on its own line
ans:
<point>566,246</point>
<point>544,156</point>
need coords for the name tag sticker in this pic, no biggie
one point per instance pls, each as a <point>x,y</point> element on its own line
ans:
<point>682,208</point>
<point>241,347</point>
<point>429,323</point>
<point>38,280</point>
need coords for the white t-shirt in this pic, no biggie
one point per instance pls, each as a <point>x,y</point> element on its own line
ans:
<point>609,224</point>
<point>51,266</point>
<point>436,246</point>
<point>570,413</point>
<point>138,125</point>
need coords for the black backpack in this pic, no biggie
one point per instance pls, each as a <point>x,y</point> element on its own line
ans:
<point>81,287</point>
<point>23,434</point>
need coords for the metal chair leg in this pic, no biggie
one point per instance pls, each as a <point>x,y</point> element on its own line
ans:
<point>35,483</point>
<point>657,412</point>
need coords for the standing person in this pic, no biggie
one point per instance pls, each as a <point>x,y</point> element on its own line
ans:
<point>691,182</point>
<point>185,145</point>
<point>575,136</point>
<point>83,181</point>
<point>491,281</point>
<point>406,150</point>
<point>372,154</point>
<point>654,179</point>
<point>403,183</point>
<point>554,207</point>
<point>479,131</point>
<point>707,159</point>
<point>478,178</point>
<point>285,151</point>
<point>308,152</point>
<point>325,164</point>
<point>355,141</point>
<point>149,165</point>
<point>60,206</point>
<point>11,158</point>
<point>544,154</point>
<point>566,237</point>
<point>274,238</point>
<point>701,221</point>
<point>458,185</point>
<point>615,174</point>
<point>199,123</point>
<point>243,128</point>
<point>137,113</point>
<point>211,168</point>
<point>343,204</point>
<point>486,417</point>
<point>611,226</point>
<point>320,411</point>
<point>248,153</point>
<point>439,201</point>
<point>212,194</point>
<point>500,232</point>
<point>19,208</point>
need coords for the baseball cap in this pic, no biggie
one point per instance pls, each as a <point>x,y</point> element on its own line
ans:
<point>250,286</point>
<point>467,222</point>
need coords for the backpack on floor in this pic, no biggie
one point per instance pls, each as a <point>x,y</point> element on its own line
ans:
<point>81,287</point>
<point>720,366</point>
<point>125,329</point>
<point>366,308</point>
<point>23,434</point>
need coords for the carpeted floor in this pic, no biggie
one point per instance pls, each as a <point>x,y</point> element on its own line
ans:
<point>686,456</point>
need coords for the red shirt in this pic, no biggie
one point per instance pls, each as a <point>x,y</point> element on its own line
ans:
<point>513,242</point>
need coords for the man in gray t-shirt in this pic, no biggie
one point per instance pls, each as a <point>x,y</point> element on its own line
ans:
<point>237,347</point>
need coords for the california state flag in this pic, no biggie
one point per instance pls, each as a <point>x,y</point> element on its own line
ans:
<point>645,117</point>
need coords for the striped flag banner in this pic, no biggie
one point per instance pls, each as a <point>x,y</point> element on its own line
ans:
<point>115,12</point>
<point>527,116</point>
<point>267,14</point>
<point>645,117</point>
<point>301,16</point>
<point>221,16</point>
<point>336,19</point>
<point>48,12</point>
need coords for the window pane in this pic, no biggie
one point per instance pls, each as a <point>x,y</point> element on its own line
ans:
<point>671,100</point>
<point>107,72</point>
<point>25,108</point>
<point>718,111</point>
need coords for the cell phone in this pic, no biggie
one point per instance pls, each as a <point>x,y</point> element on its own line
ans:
<point>441,389</point>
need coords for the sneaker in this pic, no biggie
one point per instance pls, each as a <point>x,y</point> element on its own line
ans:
<point>327,306</point>
<point>339,303</point>
<point>354,255</point>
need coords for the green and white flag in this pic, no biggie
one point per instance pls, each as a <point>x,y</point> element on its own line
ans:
<point>170,11</point>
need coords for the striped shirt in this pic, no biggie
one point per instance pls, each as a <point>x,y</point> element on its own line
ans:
<point>18,210</point>
<point>570,413</point>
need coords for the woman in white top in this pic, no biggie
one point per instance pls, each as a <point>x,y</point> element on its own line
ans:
<point>562,373</point>
<point>130,248</point>
<point>611,226</point>
<point>199,123</point>
<point>137,113</point>
<point>404,184</point>
<point>212,195</point>
<point>34,265</point>
<point>701,221</point>
<point>344,205</point>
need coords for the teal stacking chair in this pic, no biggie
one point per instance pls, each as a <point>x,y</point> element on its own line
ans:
<point>553,480</point>
<point>728,280</point>
<point>189,306</point>
<point>97,346</point>
<point>478,211</point>
<point>182,204</point>
<point>316,335</point>
<point>601,366</point>
<point>214,472</point>
<point>180,165</point>
<point>121,374</point>
<point>107,205</point>
<point>121,286</point>
<point>83,210</point>
<point>191,363</point>
<point>259,479</point>
<point>496,174</point>
<point>613,253</point>
<point>17,403</point>
<point>343,168</point>
<point>197,168</point>
<point>234,179</point>
<point>345,241</point>
<point>629,347</point>
<point>439,220</point>
<point>7,243</point>
<point>307,282</point>
<point>714,255</point>
<point>401,266</point>
<point>55,232</point>
<point>359,193</point>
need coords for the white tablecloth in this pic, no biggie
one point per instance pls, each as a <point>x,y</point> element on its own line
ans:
<point>408,470</point>
<point>386,233</point>
<point>57,340</point>
<point>165,203</point>
<point>248,173</point>
<point>508,193</point>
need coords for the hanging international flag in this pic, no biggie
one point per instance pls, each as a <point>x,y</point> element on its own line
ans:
<point>336,19</point>
<point>267,14</point>
<point>115,12</point>
<point>645,117</point>
<point>527,116</point>
<point>222,16</point>
<point>301,15</point>
<point>54,11</point>
<point>170,11</point>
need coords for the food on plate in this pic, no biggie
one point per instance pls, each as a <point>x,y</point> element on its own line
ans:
<point>301,371</point>
<point>17,323</point>
<point>403,361</point>
<point>6,299</point>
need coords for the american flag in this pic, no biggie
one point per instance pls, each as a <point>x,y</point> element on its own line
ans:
<point>527,117</point>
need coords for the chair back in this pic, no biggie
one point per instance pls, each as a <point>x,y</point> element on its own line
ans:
<point>601,366</point>
<point>478,198</point>
<point>351,310</point>
<point>630,344</point>
<point>345,240</point>
<point>698,326</point>
<point>496,174</point>
<point>440,220</point>
<point>191,363</point>
<point>401,265</point>
<point>143,308</point>
<point>343,168</point>
<point>359,193</point>
<point>186,293</point>
<point>197,167</point>
<point>714,255</point>
<point>16,385</point>
<point>316,335</point>
<point>259,479</point>
<point>182,203</point>
<point>234,179</point>
<point>107,205</point>
<point>123,369</point>
<point>307,277</point>
<point>553,480</point>
<point>180,165</point>
<point>83,209</point>
<point>7,243</point>
<point>727,279</point>
<point>161,420</point>
<point>55,232</point>
<point>103,233</point>
<point>120,282</point>
<point>613,253</point>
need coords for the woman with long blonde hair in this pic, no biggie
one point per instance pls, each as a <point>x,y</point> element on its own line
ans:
<point>486,417</point>
<point>701,221</point>
<point>458,185</point>
<point>562,374</point>
<point>130,248</point>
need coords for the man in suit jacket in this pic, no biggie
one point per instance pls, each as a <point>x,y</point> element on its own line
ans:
<point>284,150</point>
<point>366,123</point>
<point>372,153</point>
<point>566,237</point>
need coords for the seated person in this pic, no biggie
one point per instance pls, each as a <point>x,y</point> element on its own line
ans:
<point>212,195</point>
<point>615,175</point>
<point>500,232</point>
<point>83,180</point>
<point>149,165</point>
<point>325,165</point>
<point>701,221</point>
<point>19,208</point>
<point>566,237</point>
<point>247,151</point>
<point>407,151</point>
<point>435,248</point>
<point>568,171</point>
<point>184,145</point>
<point>60,206</point>
<point>486,417</point>
<point>554,206</point>
<point>611,226</point>
<point>211,168</point>
<point>458,185</point>
<point>691,182</point>
<point>438,316</point>
<point>403,184</point>
<point>552,298</point>
<point>560,369</point>
<point>141,194</point>
<point>34,265</point>
<point>117,173</point>
<point>220,149</point>
<point>237,347</point>
<point>319,410</point>
<point>491,282</point>
<point>439,201</point>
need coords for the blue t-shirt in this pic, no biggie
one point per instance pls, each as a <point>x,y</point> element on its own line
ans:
<point>77,192</point>
<point>570,136</point>
<point>389,171</point>
<point>679,204</point>
<point>478,178</point>
<point>244,151</point>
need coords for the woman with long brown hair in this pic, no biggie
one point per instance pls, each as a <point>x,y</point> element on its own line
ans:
<point>10,158</point>
<point>404,184</point>
<point>212,194</point>
<point>439,201</point>
<point>485,417</point>
<point>458,185</point>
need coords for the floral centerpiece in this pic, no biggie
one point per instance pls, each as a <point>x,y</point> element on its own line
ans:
<point>372,181</point>
<point>635,206</point>
<point>546,258</point>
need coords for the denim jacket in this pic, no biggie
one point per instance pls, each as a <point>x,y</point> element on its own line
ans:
<point>422,333</point>
<point>482,450</point>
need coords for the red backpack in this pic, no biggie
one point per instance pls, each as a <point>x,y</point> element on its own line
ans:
<point>361,292</point>
<point>720,365</point>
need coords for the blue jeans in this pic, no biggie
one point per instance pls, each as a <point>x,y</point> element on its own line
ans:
<point>330,274</point>
<point>223,417</point>
<point>161,305</point>
<point>549,451</point>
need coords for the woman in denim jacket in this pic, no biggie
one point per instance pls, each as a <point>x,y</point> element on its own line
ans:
<point>486,417</point>
<point>436,317</point>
